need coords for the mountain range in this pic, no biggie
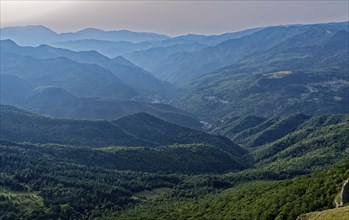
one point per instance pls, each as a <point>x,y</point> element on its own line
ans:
<point>141,81</point>
<point>298,68</point>
<point>63,83</point>
<point>36,35</point>
<point>120,124</point>
<point>305,73</point>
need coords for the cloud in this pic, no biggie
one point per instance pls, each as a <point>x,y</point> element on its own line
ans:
<point>170,17</point>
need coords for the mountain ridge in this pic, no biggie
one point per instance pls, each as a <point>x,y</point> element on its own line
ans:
<point>140,129</point>
<point>141,81</point>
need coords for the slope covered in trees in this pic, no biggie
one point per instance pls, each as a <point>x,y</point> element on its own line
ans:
<point>295,143</point>
<point>68,189</point>
<point>284,199</point>
<point>305,150</point>
<point>136,130</point>
<point>303,71</point>
<point>48,173</point>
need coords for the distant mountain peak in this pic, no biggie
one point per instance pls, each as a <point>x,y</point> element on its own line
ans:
<point>124,61</point>
<point>31,27</point>
<point>141,116</point>
<point>8,42</point>
<point>91,30</point>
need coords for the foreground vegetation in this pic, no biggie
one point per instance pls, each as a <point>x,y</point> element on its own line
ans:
<point>284,199</point>
<point>204,177</point>
<point>51,184</point>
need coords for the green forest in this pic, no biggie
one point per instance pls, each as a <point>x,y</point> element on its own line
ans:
<point>281,178</point>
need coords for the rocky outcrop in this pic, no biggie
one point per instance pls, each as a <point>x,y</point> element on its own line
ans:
<point>344,196</point>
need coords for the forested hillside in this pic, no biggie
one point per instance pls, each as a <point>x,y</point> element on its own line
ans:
<point>135,130</point>
<point>295,143</point>
<point>285,199</point>
<point>181,181</point>
<point>303,71</point>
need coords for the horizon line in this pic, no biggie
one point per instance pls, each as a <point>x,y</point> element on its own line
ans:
<point>168,35</point>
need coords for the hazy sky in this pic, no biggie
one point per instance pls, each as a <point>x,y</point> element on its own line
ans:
<point>170,17</point>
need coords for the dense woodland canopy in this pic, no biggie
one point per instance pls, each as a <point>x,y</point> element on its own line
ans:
<point>40,181</point>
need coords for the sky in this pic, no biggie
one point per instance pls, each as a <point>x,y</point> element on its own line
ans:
<point>170,17</point>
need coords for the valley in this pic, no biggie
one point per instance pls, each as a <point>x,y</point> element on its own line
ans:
<point>120,124</point>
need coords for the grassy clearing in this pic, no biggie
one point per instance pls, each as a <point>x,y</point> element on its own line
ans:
<point>331,214</point>
<point>151,194</point>
<point>25,200</point>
